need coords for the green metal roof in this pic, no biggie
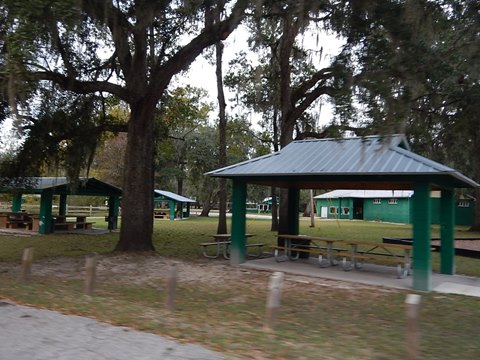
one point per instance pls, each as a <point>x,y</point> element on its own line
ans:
<point>162,194</point>
<point>61,185</point>
<point>371,162</point>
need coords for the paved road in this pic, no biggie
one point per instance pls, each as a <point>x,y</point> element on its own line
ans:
<point>32,334</point>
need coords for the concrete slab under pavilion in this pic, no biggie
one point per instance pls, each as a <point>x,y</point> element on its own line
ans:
<point>370,274</point>
<point>371,162</point>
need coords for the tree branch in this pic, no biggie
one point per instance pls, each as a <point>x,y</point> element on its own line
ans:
<point>163,73</point>
<point>300,92</point>
<point>119,26</point>
<point>82,87</point>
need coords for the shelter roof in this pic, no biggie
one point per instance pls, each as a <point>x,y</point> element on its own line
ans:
<point>365,194</point>
<point>172,196</point>
<point>371,162</point>
<point>62,185</point>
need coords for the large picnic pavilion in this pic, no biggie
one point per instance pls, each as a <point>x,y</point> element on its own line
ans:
<point>372,163</point>
<point>47,187</point>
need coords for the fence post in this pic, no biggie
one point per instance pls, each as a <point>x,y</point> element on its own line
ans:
<point>273,299</point>
<point>90,270</point>
<point>413,329</point>
<point>27,260</point>
<point>171,287</point>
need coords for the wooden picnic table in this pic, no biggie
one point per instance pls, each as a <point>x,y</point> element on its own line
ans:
<point>16,220</point>
<point>352,252</point>
<point>222,246</point>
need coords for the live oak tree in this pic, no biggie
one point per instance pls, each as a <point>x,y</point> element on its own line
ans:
<point>129,49</point>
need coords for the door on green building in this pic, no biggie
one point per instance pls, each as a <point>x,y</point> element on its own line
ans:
<point>358,209</point>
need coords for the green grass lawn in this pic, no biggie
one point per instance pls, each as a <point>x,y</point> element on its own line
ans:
<point>316,321</point>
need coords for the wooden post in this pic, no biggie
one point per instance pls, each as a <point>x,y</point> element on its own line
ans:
<point>171,288</point>
<point>27,260</point>
<point>273,300</point>
<point>90,270</point>
<point>413,329</point>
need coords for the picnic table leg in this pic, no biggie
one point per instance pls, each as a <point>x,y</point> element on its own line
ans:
<point>226,250</point>
<point>289,251</point>
<point>404,270</point>
<point>211,256</point>
<point>356,264</point>
<point>331,258</point>
<point>279,258</point>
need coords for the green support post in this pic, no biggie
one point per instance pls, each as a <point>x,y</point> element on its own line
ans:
<point>62,207</point>
<point>239,199</point>
<point>447,236</point>
<point>17,203</point>
<point>46,201</point>
<point>187,214</point>
<point>172,209</point>
<point>422,218</point>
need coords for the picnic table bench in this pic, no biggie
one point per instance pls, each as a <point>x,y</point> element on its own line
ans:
<point>222,246</point>
<point>73,225</point>
<point>353,253</point>
<point>161,215</point>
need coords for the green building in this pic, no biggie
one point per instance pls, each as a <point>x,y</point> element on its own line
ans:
<point>384,205</point>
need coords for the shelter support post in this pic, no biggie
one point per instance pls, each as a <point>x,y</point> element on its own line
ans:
<point>422,218</point>
<point>46,200</point>
<point>293,221</point>
<point>17,203</point>
<point>447,230</point>
<point>237,246</point>
<point>62,206</point>
<point>113,206</point>
<point>187,212</point>
<point>172,209</point>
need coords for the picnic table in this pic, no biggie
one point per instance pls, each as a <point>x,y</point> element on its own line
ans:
<point>16,220</point>
<point>60,223</point>
<point>352,252</point>
<point>222,246</point>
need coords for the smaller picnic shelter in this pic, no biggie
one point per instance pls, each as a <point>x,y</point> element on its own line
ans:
<point>173,200</point>
<point>47,187</point>
<point>370,162</point>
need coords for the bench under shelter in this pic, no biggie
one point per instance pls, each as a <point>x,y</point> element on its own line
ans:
<point>47,187</point>
<point>371,163</point>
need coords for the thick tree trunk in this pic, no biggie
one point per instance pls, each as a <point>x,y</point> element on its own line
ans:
<point>476,216</point>
<point>179,192</point>
<point>476,174</point>
<point>207,206</point>
<point>222,132</point>
<point>287,123</point>
<point>283,212</point>
<point>274,226</point>
<point>137,197</point>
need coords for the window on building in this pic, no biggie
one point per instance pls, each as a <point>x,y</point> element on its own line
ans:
<point>345,211</point>
<point>333,210</point>
<point>464,204</point>
<point>377,201</point>
<point>392,201</point>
